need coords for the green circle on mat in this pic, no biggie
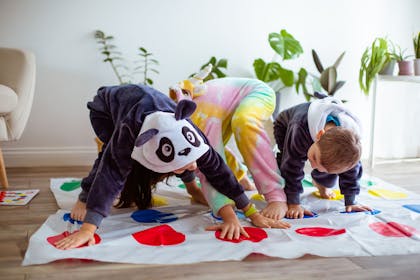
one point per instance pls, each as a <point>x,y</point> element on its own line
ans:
<point>307,183</point>
<point>367,183</point>
<point>70,186</point>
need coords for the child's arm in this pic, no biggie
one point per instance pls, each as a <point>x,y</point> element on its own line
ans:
<point>350,187</point>
<point>194,190</point>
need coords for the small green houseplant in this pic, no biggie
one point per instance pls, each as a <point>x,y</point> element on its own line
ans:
<point>405,66</point>
<point>217,69</point>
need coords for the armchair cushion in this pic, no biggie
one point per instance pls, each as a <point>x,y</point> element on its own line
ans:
<point>8,99</point>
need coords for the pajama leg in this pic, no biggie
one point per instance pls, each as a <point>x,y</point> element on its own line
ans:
<point>254,143</point>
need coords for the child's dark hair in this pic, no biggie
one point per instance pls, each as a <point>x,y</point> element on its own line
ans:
<point>340,149</point>
<point>138,187</point>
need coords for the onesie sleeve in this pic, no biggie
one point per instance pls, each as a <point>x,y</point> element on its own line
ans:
<point>349,183</point>
<point>112,172</point>
<point>292,161</point>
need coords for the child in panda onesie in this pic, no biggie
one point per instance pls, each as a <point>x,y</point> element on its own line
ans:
<point>147,137</point>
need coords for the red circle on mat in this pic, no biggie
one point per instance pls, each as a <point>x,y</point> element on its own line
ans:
<point>320,231</point>
<point>255,235</point>
<point>392,229</point>
<point>56,238</point>
<point>160,235</point>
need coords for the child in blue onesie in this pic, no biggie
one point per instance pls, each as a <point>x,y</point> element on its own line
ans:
<point>328,135</point>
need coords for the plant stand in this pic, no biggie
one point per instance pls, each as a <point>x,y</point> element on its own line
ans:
<point>409,79</point>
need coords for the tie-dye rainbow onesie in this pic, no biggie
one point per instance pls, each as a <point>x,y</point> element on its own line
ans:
<point>241,107</point>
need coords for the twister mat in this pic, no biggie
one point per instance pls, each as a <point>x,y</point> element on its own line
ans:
<point>173,232</point>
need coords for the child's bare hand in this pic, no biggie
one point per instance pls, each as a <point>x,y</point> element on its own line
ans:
<point>357,208</point>
<point>296,211</point>
<point>275,210</point>
<point>229,230</point>
<point>78,212</point>
<point>75,240</point>
<point>263,222</point>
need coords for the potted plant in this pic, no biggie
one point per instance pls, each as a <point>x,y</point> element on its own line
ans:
<point>286,47</point>
<point>405,66</point>
<point>416,43</point>
<point>373,60</point>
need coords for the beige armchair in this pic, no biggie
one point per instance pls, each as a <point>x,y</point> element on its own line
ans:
<point>17,84</point>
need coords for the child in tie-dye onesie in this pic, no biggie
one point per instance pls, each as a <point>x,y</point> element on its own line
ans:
<point>241,107</point>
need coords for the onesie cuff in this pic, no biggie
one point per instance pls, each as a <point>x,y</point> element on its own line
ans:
<point>241,201</point>
<point>93,217</point>
<point>349,199</point>
<point>83,196</point>
<point>275,195</point>
<point>187,176</point>
<point>293,198</point>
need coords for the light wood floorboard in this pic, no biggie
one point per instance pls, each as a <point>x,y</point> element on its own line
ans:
<point>18,223</point>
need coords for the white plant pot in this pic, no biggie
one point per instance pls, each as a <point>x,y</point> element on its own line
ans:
<point>417,66</point>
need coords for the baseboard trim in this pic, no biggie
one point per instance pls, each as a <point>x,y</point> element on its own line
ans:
<point>54,156</point>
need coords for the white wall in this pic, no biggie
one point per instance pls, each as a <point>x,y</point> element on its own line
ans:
<point>182,34</point>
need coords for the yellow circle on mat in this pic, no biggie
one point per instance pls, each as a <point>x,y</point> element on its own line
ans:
<point>159,201</point>
<point>258,196</point>
<point>387,194</point>
<point>337,193</point>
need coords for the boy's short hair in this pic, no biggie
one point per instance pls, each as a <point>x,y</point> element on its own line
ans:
<point>340,149</point>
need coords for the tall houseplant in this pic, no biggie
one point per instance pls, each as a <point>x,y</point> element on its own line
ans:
<point>114,57</point>
<point>372,62</point>
<point>416,45</point>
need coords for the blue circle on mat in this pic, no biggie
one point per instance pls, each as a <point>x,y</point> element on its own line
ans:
<point>67,218</point>
<point>153,216</point>
<point>413,207</point>
<point>305,216</point>
<point>239,214</point>
<point>373,212</point>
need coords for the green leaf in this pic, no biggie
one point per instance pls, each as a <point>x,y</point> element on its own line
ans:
<point>285,45</point>
<point>328,78</point>
<point>301,81</point>
<point>222,63</point>
<point>317,61</point>
<point>337,62</point>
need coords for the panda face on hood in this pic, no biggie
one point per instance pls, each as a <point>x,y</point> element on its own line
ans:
<point>167,141</point>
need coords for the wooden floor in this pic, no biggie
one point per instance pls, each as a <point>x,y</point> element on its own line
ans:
<point>18,223</point>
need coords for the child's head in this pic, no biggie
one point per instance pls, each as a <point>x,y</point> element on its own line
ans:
<point>168,142</point>
<point>192,87</point>
<point>337,150</point>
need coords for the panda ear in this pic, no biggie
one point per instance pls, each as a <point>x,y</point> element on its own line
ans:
<point>146,136</point>
<point>184,109</point>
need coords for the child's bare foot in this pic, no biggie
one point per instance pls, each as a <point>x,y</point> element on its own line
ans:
<point>78,212</point>
<point>247,183</point>
<point>324,192</point>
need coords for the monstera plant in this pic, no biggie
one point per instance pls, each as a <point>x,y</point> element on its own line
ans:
<point>286,47</point>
